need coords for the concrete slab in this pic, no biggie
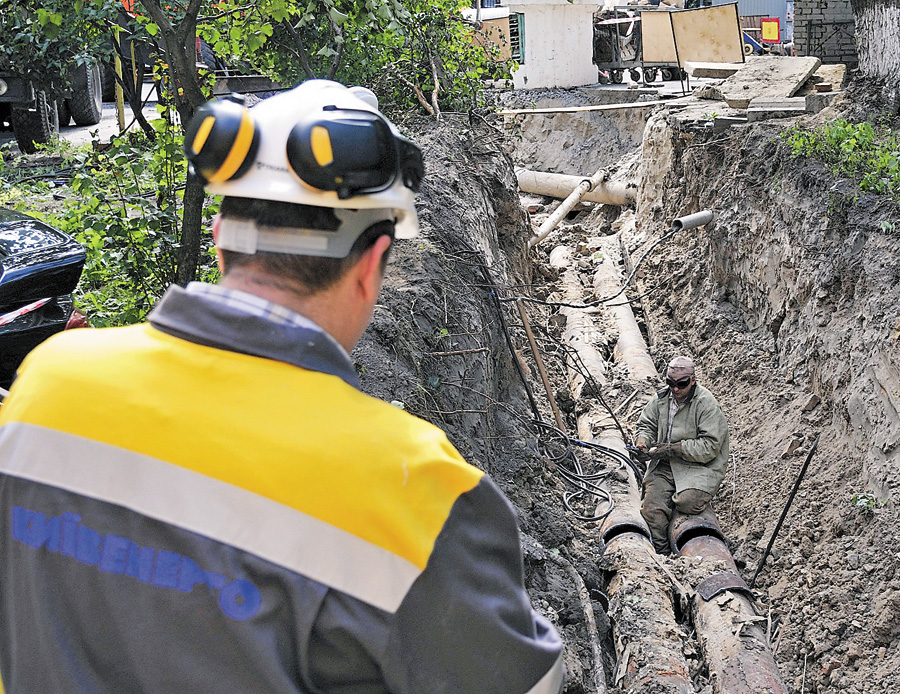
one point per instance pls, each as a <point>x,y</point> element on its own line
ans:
<point>713,70</point>
<point>723,123</point>
<point>816,102</point>
<point>764,108</point>
<point>767,76</point>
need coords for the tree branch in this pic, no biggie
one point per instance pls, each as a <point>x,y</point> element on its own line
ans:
<point>301,48</point>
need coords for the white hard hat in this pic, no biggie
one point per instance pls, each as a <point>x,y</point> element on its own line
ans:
<point>320,144</point>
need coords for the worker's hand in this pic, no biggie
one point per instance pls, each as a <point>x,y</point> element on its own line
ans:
<point>639,454</point>
<point>642,442</point>
<point>666,450</point>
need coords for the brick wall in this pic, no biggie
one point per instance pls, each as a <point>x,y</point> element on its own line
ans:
<point>825,29</point>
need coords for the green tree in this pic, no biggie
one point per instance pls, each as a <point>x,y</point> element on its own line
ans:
<point>43,40</point>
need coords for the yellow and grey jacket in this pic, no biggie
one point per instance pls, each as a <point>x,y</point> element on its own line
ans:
<point>207,503</point>
<point>702,429</point>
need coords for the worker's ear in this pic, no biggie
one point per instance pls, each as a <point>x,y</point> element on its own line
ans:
<point>370,269</point>
<point>217,222</point>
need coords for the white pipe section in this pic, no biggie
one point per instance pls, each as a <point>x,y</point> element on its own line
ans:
<point>692,221</point>
<point>561,185</point>
<point>607,192</point>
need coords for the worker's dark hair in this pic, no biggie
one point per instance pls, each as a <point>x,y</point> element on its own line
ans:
<point>312,273</point>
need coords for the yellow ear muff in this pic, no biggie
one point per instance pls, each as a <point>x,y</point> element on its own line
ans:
<point>221,140</point>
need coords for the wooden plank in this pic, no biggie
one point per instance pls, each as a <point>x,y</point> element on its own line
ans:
<point>580,109</point>
<point>657,38</point>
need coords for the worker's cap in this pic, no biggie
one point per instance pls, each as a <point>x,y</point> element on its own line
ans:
<point>320,144</point>
<point>680,367</point>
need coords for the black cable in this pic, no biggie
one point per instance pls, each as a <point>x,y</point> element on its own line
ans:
<point>494,293</point>
<point>584,484</point>
<point>580,367</point>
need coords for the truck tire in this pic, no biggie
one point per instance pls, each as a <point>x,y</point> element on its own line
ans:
<point>36,127</point>
<point>108,83</point>
<point>62,109</point>
<point>86,104</point>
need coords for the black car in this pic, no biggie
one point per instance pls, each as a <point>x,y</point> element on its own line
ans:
<point>39,268</point>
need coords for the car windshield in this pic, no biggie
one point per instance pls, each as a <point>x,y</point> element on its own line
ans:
<point>24,235</point>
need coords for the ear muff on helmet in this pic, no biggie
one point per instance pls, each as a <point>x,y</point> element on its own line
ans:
<point>351,152</point>
<point>221,140</point>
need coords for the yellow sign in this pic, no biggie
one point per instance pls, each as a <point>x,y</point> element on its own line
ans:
<point>770,29</point>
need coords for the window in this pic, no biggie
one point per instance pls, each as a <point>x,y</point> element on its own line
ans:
<point>517,36</point>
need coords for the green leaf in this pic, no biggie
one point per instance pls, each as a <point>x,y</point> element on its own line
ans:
<point>337,17</point>
<point>152,29</point>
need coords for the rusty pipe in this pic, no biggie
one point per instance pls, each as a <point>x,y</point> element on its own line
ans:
<point>735,647</point>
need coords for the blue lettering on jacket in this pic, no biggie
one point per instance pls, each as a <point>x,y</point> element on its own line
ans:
<point>239,599</point>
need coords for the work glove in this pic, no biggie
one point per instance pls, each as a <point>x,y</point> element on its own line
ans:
<point>666,450</point>
<point>638,453</point>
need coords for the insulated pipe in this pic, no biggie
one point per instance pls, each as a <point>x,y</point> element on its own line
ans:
<point>576,194</point>
<point>692,221</point>
<point>630,347</point>
<point>561,185</point>
<point>646,634</point>
<point>580,333</point>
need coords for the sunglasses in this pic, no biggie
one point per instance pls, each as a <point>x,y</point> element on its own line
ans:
<point>680,383</point>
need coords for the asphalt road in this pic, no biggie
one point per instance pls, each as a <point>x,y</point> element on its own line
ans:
<point>105,129</point>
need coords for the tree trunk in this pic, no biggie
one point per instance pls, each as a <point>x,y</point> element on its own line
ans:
<point>878,38</point>
<point>179,42</point>
<point>191,225</point>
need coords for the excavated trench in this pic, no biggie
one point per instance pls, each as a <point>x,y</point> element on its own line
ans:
<point>787,301</point>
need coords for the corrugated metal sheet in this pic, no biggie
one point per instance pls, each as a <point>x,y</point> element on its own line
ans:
<point>764,8</point>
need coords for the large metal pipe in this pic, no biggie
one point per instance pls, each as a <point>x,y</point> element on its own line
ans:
<point>734,645</point>
<point>647,638</point>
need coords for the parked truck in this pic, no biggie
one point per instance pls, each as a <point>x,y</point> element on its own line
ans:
<point>35,115</point>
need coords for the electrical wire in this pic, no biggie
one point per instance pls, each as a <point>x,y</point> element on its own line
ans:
<point>597,302</point>
<point>570,470</point>
<point>579,366</point>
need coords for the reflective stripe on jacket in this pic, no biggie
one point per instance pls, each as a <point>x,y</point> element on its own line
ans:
<point>182,514</point>
<point>702,429</point>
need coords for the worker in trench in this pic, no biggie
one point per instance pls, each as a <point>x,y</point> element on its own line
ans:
<point>207,503</point>
<point>684,433</point>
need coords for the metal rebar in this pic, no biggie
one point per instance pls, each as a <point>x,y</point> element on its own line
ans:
<point>799,479</point>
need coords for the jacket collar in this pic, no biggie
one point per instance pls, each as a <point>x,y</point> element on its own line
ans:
<point>204,321</point>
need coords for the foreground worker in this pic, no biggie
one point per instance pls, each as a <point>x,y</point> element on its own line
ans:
<point>685,435</point>
<point>207,503</point>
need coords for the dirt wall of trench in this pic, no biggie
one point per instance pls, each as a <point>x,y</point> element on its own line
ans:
<point>790,304</point>
<point>575,143</point>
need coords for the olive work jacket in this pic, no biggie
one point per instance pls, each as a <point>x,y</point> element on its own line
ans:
<point>701,428</point>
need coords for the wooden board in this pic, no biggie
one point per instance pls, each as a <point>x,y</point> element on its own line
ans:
<point>599,107</point>
<point>657,38</point>
<point>708,35</point>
